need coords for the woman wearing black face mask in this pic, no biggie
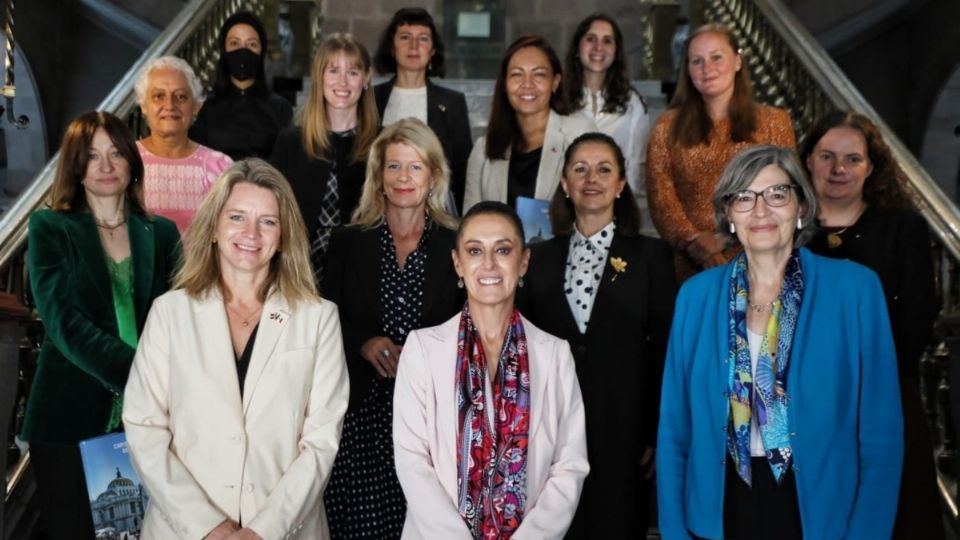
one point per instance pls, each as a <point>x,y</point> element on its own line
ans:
<point>242,117</point>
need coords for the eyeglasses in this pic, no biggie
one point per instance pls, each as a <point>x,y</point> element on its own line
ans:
<point>774,196</point>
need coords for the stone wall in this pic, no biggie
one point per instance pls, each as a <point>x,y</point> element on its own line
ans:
<point>553,19</point>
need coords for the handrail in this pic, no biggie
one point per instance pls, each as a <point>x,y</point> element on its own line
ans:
<point>809,83</point>
<point>792,70</point>
<point>192,35</point>
<point>936,207</point>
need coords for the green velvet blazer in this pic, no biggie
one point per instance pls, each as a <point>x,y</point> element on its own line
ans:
<point>83,363</point>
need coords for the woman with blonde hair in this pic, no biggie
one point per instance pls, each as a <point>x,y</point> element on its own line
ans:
<point>323,155</point>
<point>712,117</point>
<point>238,389</point>
<point>389,273</point>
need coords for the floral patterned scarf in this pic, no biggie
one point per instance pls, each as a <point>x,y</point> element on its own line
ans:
<point>492,459</point>
<point>766,397</point>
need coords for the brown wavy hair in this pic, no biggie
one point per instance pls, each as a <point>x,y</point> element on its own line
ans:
<point>503,128</point>
<point>693,123</point>
<point>616,83</point>
<point>66,194</point>
<point>885,187</point>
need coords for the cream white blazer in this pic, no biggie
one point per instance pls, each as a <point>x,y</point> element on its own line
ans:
<point>487,179</point>
<point>425,436</point>
<point>204,453</point>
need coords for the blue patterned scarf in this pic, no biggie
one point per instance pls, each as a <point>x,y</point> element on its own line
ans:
<point>766,397</point>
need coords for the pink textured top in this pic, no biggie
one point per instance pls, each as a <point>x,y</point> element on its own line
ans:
<point>174,188</point>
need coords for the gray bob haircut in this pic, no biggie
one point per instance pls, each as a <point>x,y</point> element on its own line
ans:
<point>743,170</point>
<point>168,62</point>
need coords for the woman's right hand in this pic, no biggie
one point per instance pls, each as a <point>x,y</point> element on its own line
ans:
<point>383,354</point>
<point>706,249</point>
<point>223,530</point>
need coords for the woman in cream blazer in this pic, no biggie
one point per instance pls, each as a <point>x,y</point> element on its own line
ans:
<point>528,113</point>
<point>229,442</point>
<point>425,420</point>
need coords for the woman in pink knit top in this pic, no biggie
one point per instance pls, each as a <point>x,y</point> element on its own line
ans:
<point>178,172</point>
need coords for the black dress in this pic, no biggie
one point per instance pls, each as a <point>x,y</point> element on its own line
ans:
<point>896,245</point>
<point>242,123</point>
<point>364,498</point>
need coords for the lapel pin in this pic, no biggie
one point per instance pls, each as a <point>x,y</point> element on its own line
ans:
<point>442,107</point>
<point>619,266</point>
<point>276,316</point>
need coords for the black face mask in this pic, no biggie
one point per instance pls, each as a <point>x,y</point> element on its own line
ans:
<point>243,64</point>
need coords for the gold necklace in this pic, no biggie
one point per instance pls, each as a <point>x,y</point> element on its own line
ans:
<point>835,238</point>
<point>244,321</point>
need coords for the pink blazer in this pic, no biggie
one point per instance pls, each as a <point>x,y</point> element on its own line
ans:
<point>425,436</point>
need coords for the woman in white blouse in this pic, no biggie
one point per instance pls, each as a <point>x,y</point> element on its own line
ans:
<point>597,86</point>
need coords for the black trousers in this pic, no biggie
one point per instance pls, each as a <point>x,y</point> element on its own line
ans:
<point>61,492</point>
<point>765,510</point>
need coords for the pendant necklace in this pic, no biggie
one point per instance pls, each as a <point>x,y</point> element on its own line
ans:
<point>835,238</point>
<point>109,227</point>
<point>244,321</point>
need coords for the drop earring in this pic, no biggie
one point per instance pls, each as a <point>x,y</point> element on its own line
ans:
<point>799,223</point>
<point>733,228</point>
<point>460,282</point>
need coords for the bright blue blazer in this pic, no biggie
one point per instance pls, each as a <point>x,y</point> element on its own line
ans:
<point>844,413</point>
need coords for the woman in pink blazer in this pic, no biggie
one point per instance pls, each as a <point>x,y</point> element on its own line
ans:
<point>488,445</point>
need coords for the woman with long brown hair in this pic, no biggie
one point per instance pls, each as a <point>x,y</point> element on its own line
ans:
<point>97,261</point>
<point>522,153</point>
<point>597,86</point>
<point>866,216</point>
<point>712,117</point>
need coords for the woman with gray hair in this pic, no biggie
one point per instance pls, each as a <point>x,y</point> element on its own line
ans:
<point>178,172</point>
<point>780,413</point>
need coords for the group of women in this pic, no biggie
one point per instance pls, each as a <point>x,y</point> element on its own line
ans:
<point>452,381</point>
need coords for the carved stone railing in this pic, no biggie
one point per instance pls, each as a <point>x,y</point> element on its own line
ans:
<point>791,70</point>
<point>192,35</point>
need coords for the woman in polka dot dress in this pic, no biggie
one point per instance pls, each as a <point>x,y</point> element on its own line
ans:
<point>389,272</point>
<point>608,291</point>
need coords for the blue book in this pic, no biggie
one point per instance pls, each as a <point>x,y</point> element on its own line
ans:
<point>117,497</point>
<point>535,216</point>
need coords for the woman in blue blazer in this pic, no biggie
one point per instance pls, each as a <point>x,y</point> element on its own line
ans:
<point>780,413</point>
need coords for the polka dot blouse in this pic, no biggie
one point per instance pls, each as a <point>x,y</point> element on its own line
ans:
<point>585,262</point>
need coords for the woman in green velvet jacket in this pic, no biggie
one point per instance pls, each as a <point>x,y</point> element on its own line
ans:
<point>96,261</point>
